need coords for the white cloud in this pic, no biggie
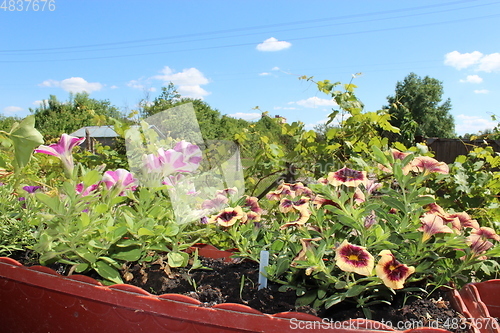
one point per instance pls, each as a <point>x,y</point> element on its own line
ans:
<point>194,91</point>
<point>284,108</point>
<point>272,44</point>
<point>188,82</point>
<point>481,91</point>
<point>462,60</point>
<point>275,68</point>
<point>189,76</point>
<point>12,109</point>
<point>264,74</point>
<point>246,116</point>
<point>73,84</point>
<point>314,102</point>
<point>312,125</point>
<point>39,102</point>
<point>490,63</point>
<point>141,85</point>
<point>472,79</point>
<point>485,63</point>
<point>114,87</point>
<point>472,124</point>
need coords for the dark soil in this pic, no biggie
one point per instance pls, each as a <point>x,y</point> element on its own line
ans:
<point>222,282</point>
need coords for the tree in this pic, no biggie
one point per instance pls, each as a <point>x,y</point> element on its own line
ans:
<point>167,99</point>
<point>6,122</point>
<point>416,109</point>
<point>53,117</point>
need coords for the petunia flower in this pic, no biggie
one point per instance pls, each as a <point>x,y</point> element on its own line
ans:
<point>253,204</point>
<point>287,205</point>
<point>282,191</point>
<point>192,155</point>
<point>354,258</point>
<point>465,220</point>
<point>84,191</point>
<point>323,181</point>
<point>359,197</point>
<point>304,216</point>
<point>370,219</point>
<point>347,177</point>
<point>391,271</point>
<point>216,203</point>
<point>299,189</point>
<point>426,165</point>
<point>306,246</point>
<point>253,216</point>
<point>372,185</point>
<point>434,208</point>
<point>479,242</point>
<point>487,233</point>
<point>432,224</point>
<point>320,201</point>
<point>397,155</point>
<point>228,192</point>
<point>62,150</point>
<point>119,180</point>
<point>31,189</point>
<point>184,157</point>
<point>454,219</point>
<point>229,216</point>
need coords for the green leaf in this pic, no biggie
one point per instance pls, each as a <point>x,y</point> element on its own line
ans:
<point>91,178</point>
<point>340,285</point>
<point>128,254</point>
<point>308,298</point>
<point>86,254</point>
<point>355,291</point>
<point>145,232</point>
<point>52,202</point>
<point>177,259</point>
<point>85,219</point>
<point>332,300</point>
<point>171,229</point>
<point>107,272</point>
<point>277,245</point>
<point>80,268</point>
<point>101,208</point>
<point>25,138</point>
<point>394,203</point>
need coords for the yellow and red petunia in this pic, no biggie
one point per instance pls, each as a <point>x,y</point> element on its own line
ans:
<point>426,165</point>
<point>432,224</point>
<point>347,177</point>
<point>354,258</point>
<point>229,216</point>
<point>391,271</point>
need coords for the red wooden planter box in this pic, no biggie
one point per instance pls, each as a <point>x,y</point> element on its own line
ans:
<point>480,303</point>
<point>37,299</point>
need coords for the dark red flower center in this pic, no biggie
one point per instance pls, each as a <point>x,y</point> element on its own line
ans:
<point>395,270</point>
<point>354,255</point>
<point>347,174</point>
<point>228,216</point>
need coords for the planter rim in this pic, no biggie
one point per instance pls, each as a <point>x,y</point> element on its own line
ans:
<point>180,307</point>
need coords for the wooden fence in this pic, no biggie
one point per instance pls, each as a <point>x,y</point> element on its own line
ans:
<point>447,150</point>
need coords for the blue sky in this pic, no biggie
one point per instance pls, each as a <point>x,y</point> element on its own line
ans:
<point>237,55</point>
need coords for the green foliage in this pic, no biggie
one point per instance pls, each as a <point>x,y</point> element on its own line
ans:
<point>386,207</point>
<point>473,185</point>
<point>16,213</point>
<point>54,117</point>
<point>167,99</point>
<point>416,109</point>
